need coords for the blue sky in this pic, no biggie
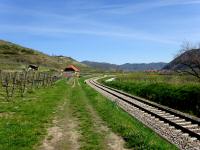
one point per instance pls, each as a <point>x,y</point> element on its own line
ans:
<point>115,31</point>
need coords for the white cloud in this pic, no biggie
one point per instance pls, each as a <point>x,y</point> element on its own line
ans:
<point>144,6</point>
<point>55,24</point>
<point>61,32</point>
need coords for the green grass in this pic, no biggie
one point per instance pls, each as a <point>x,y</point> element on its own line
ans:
<point>90,139</point>
<point>136,135</point>
<point>23,122</point>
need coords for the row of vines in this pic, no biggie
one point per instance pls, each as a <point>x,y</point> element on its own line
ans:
<point>14,84</point>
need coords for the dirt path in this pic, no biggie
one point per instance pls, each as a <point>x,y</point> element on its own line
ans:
<point>74,83</point>
<point>111,140</point>
<point>65,133</point>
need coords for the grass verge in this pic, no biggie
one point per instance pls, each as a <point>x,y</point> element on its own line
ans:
<point>136,135</point>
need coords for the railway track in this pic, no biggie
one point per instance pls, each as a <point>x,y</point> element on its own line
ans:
<point>178,128</point>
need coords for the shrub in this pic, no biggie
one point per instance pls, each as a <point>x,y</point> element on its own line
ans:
<point>185,98</point>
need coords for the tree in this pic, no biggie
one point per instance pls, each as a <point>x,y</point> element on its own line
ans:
<point>186,46</point>
<point>189,58</point>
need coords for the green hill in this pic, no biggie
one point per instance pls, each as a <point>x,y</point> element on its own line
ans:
<point>16,57</point>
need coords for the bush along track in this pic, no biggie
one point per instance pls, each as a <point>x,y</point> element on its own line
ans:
<point>136,135</point>
<point>185,98</point>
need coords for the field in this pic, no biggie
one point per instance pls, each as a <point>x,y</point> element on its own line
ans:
<point>48,117</point>
<point>180,92</point>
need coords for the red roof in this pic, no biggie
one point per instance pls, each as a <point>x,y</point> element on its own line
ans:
<point>72,67</point>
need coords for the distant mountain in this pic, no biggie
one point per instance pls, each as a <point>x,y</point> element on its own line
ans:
<point>125,67</point>
<point>188,57</point>
<point>142,66</point>
<point>17,57</point>
<point>100,65</point>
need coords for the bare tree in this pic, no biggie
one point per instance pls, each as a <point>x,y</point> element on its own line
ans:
<point>198,46</point>
<point>186,46</point>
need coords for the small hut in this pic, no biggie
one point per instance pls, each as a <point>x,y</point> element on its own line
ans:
<point>71,71</point>
<point>32,67</point>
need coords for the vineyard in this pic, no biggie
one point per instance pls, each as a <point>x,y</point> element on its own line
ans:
<point>17,84</point>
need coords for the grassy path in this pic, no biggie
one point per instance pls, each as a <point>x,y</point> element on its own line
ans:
<point>78,126</point>
<point>71,116</point>
<point>94,133</point>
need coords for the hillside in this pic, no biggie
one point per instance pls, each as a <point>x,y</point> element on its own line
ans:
<point>189,57</point>
<point>126,67</point>
<point>13,56</point>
